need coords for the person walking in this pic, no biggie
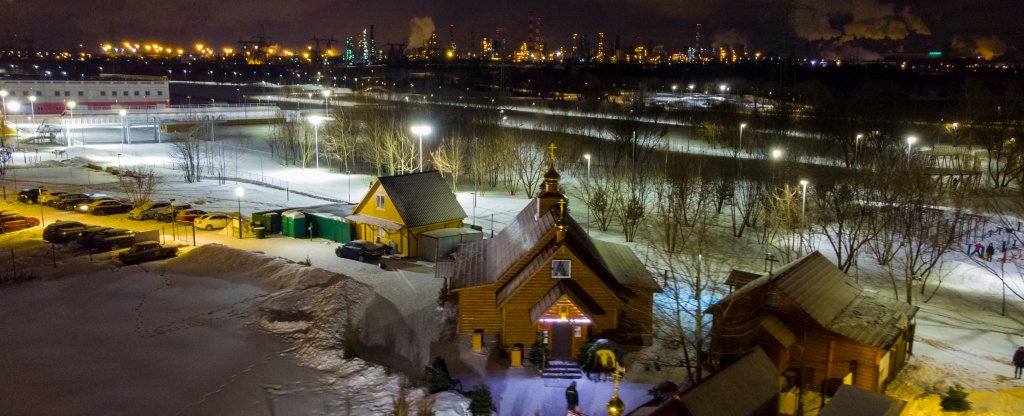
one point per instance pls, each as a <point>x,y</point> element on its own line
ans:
<point>989,252</point>
<point>979,250</point>
<point>572,398</point>
<point>1018,363</point>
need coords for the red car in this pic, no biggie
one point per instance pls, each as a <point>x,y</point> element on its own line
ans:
<point>189,215</point>
<point>17,222</point>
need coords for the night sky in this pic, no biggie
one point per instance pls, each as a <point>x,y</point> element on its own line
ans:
<point>825,26</point>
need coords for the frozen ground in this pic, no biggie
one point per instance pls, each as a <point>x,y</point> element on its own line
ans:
<point>961,338</point>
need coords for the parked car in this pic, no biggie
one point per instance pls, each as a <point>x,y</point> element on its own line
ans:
<point>57,202</point>
<point>68,202</point>
<point>168,214</point>
<point>47,197</point>
<point>361,250</point>
<point>210,222</point>
<point>84,205</point>
<point>189,215</point>
<point>146,251</point>
<point>62,231</point>
<point>84,238</point>
<point>108,207</point>
<point>29,196</point>
<point>17,222</point>
<point>112,239</point>
<point>148,210</point>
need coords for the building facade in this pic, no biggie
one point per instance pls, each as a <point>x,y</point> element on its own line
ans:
<point>52,97</point>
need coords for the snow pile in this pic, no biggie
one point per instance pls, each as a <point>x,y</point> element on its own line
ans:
<point>324,313</point>
<point>921,383</point>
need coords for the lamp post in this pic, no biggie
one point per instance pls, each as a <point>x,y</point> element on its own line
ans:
<point>587,157</point>
<point>32,106</point>
<point>740,146</point>
<point>13,107</point>
<point>327,100</point>
<point>124,127</point>
<point>239,192</point>
<point>421,130</point>
<point>42,218</point>
<point>71,110</point>
<point>317,121</point>
<point>776,155</point>
<point>910,145</point>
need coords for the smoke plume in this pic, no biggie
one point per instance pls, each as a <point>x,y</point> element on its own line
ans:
<point>864,19</point>
<point>729,38</point>
<point>420,29</point>
<point>985,47</point>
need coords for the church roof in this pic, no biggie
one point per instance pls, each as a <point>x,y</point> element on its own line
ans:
<point>483,262</point>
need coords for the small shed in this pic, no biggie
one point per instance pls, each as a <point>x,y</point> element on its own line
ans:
<point>293,224</point>
<point>856,401</point>
<point>270,220</point>
<point>438,244</point>
<point>329,222</point>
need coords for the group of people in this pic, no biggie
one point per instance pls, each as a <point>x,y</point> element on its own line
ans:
<point>985,253</point>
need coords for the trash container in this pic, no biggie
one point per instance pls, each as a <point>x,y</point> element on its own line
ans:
<point>261,232</point>
<point>517,355</point>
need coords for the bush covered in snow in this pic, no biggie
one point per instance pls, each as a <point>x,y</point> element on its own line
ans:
<point>955,400</point>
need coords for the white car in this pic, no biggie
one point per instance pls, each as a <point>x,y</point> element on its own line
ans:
<point>210,222</point>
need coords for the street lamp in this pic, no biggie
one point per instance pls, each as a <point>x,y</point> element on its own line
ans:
<point>910,144</point>
<point>3,110</point>
<point>32,106</point>
<point>327,100</point>
<point>587,157</point>
<point>71,111</point>
<point>776,154</point>
<point>13,107</point>
<point>124,127</point>
<point>317,121</point>
<point>421,130</point>
<point>239,192</point>
<point>803,210</point>
<point>742,126</point>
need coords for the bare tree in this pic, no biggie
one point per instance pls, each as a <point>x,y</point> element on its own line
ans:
<point>529,162</point>
<point>188,152</point>
<point>341,138</point>
<point>450,159</point>
<point>138,183</point>
<point>844,219</point>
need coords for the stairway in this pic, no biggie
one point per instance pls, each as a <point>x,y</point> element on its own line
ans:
<point>562,369</point>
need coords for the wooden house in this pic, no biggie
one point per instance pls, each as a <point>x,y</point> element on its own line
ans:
<point>398,208</point>
<point>811,315</point>
<point>753,374</point>
<point>542,277</point>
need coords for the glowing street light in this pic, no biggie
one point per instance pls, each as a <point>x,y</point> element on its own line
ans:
<point>239,192</point>
<point>742,126</point>
<point>327,99</point>
<point>910,144</point>
<point>12,107</point>
<point>317,121</point>
<point>776,154</point>
<point>32,105</point>
<point>421,130</point>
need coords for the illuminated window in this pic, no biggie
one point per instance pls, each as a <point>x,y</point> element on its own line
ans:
<point>380,201</point>
<point>577,331</point>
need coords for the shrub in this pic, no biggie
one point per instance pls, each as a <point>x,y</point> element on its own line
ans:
<point>536,354</point>
<point>436,380</point>
<point>480,401</point>
<point>955,400</point>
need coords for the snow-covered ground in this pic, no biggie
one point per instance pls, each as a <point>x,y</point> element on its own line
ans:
<point>170,326</point>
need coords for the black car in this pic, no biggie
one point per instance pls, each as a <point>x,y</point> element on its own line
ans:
<point>112,239</point>
<point>29,196</point>
<point>68,202</point>
<point>108,207</point>
<point>62,231</point>
<point>85,236</point>
<point>146,251</point>
<point>361,250</point>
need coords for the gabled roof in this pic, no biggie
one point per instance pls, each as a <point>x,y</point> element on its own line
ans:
<point>833,300</point>
<point>720,394</point>
<point>422,198</point>
<point>484,262</point>
<point>857,401</point>
<point>575,293</point>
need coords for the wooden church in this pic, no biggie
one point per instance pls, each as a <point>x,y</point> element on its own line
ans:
<point>542,277</point>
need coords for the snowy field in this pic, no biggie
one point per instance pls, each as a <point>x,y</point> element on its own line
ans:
<point>190,337</point>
